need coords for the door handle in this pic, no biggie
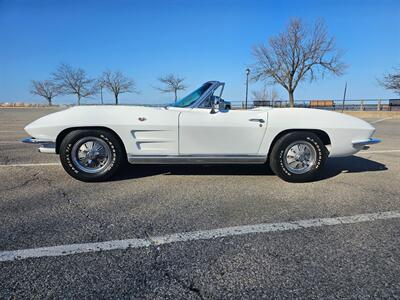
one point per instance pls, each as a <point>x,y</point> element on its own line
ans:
<point>257,120</point>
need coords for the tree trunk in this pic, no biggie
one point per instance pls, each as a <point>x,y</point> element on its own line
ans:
<point>291,98</point>
<point>49,100</point>
<point>176,95</point>
<point>116,99</point>
<point>79,99</point>
<point>101,95</point>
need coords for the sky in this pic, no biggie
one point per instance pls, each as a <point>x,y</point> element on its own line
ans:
<point>200,40</point>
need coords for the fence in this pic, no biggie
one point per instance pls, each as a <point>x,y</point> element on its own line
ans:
<point>349,105</point>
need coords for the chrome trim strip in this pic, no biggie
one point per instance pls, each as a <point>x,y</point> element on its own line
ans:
<point>31,140</point>
<point>197,159</point>
<point>45,146</point>
<point>49,150</point>
<point>362,143</point>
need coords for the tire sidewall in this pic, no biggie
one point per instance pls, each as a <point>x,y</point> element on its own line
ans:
<point>66,159</point>
<point>278,152</point>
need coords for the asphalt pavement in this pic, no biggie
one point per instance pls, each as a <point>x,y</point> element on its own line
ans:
<point>41,206</point>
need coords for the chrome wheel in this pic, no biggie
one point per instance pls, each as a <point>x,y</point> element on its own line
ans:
<point>299,157</point>
<point>91,155</point>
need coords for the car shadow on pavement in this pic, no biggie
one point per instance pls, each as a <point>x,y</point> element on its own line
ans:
<point>333,167</point>
<point>139,171</point>
<point>351,164</point>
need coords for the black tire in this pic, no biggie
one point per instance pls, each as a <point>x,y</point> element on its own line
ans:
<point>280,156</point>
<point>113,151</point>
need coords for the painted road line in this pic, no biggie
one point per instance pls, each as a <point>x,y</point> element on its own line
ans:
<point>380,120</point>
<point>12,142</point>
<point>378,151</point>
<point>31,165</point>
<point>71,249</point>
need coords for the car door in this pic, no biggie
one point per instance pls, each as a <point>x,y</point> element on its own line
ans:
<point>230,132</point>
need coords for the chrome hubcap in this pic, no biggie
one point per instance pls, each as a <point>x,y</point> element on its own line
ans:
<point>299,157</point>
<point>91,154</point>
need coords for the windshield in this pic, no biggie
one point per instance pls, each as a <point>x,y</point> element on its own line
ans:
<point>192,97</point>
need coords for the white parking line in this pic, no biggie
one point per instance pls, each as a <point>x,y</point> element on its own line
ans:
<point>10,142</point>
<point>191,236</point>
<point>378,151</point>
<point>31,165</point>
<point>380,120</point>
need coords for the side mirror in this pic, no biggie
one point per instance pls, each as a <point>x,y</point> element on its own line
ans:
<point>213,109</point>
<point>224,105</point>
<point>214,102</point>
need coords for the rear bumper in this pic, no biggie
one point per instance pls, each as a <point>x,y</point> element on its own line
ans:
<point>44,146</point>
<point>362,143</point>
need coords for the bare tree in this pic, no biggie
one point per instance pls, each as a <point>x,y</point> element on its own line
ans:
<point>391,81</point>
<point>46,89</point>
<point>298,53</point>
<point>74,81</point>
<point>172,84</point>
<point>117,83</point>
<point>264,95</point>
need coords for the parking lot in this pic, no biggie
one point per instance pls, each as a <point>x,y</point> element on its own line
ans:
<point>199,231</point>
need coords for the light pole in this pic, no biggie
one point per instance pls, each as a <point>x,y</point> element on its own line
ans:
<point>101,93</point>
<point>344,96</point>
<point>247,85</point>
<point>101,85</point>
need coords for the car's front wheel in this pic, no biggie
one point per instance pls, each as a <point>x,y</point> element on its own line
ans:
<point>298,156</point>
<point>91,155</point>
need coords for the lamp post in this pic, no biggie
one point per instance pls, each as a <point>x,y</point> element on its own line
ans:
<point>101,85</point>
<point>344,96</point>
<point>101,93</point>
<point>247,85</point>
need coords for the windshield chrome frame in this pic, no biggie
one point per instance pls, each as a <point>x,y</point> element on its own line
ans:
<point>215,85</point>
<point>207,93</point>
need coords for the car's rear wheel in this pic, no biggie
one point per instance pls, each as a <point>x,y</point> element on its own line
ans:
<point>91,155</point>
<point>298,156</point>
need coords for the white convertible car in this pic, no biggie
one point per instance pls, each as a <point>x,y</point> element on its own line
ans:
<point>94,141</point>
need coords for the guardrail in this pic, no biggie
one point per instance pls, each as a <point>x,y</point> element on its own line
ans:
<point>349,105</point>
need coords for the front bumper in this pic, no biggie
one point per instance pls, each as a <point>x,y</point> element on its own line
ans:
<point>45,146</point>
<point>363,143</point>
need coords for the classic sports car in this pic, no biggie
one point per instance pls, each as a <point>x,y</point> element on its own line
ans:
<point>94,141</point>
